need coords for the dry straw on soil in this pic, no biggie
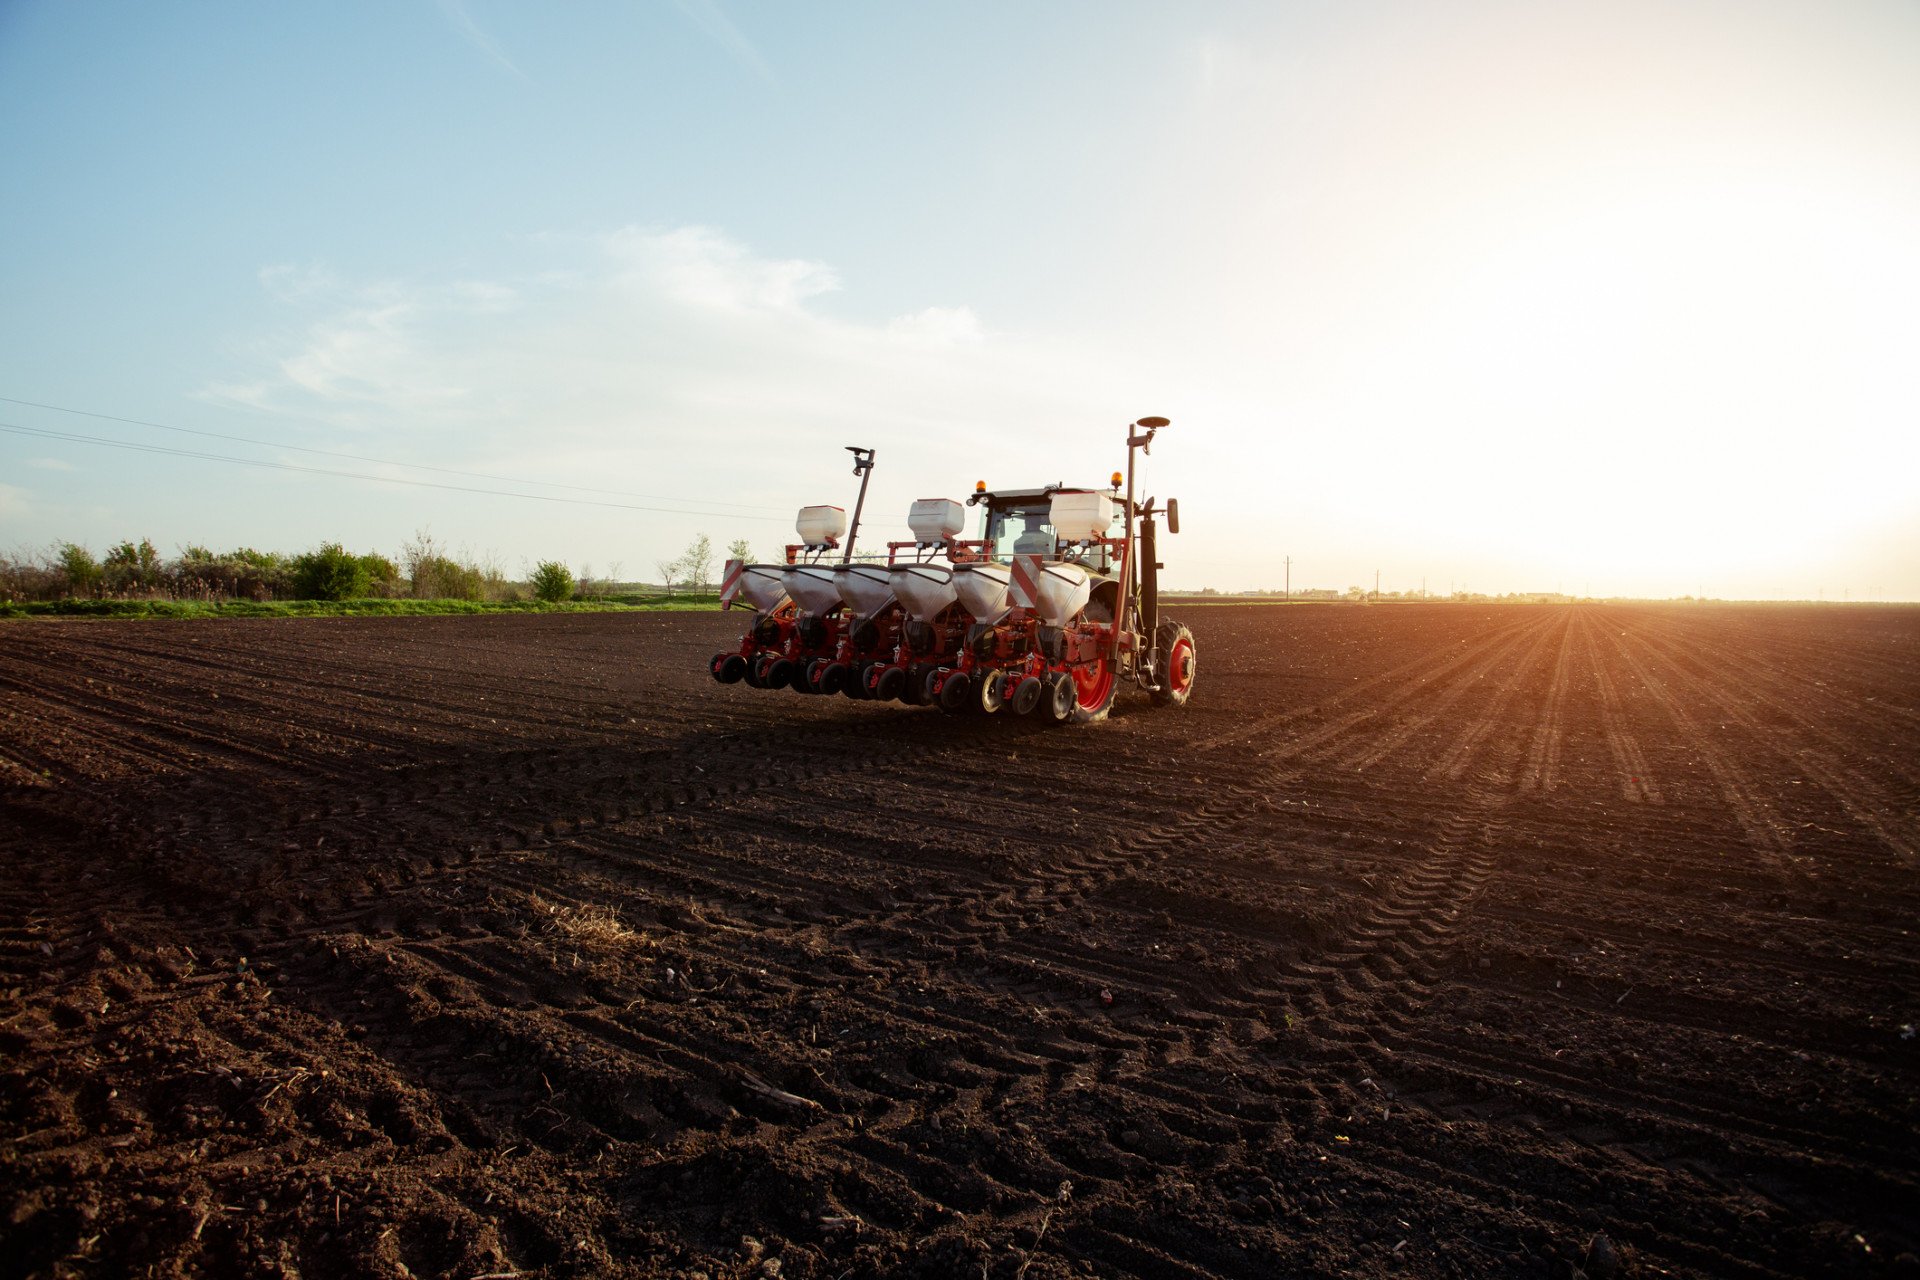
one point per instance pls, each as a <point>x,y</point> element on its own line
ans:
<point>590,925</point>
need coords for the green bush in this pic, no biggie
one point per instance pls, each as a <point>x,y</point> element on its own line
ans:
<point>551,581</point>
<point>438,577</point>
<point>383,575</point>
<point>215,576</point>
<point>330,573</point>
<point>81,570</point>
<point>128,568</point>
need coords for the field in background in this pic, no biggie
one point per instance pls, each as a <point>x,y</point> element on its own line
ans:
<point>1427,941</point>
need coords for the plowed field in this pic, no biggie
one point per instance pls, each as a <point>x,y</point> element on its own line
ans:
<point>1427,940</point>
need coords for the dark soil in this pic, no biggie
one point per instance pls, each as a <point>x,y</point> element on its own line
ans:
<point>1427,940</point>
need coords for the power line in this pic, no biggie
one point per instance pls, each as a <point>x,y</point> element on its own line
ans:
<point>49,433</point>
<point>357,457</point>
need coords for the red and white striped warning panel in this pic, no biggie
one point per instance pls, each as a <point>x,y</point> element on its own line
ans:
<point>1024,585</point>
<point>730,583</point>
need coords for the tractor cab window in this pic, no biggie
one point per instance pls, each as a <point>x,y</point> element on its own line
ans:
<point>1027,530</point>
<point>1021,531</point>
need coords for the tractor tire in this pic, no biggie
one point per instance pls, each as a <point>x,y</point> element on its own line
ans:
<point>1057,697</point>
<point>728,668</point>
<point>1180,664</point>
<point>1026,696</point>
<point>891,684</point>
<point>778,673</point>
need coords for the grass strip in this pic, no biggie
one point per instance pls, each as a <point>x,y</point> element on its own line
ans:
<point>340,608</point>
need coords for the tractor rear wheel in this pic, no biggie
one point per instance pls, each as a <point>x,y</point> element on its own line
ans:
<point>1179,664</point>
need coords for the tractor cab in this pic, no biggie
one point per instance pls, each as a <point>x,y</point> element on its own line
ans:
<point>1019,522</point>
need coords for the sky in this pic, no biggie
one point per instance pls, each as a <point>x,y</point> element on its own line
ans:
<point>1612,299</point>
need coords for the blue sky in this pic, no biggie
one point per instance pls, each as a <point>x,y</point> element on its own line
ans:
<point>1511,295</point>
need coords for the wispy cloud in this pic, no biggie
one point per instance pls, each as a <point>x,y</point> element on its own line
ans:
<point>51,464</point>
<point>706,15</point>
<point>678,356</point>
<point>455,12</point>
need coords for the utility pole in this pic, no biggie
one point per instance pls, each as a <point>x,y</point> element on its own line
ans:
<point>1287,592</point>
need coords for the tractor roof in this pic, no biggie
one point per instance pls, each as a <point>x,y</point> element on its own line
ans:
<point>1016,497</point>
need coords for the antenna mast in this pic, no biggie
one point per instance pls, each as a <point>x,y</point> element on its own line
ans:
<point>862,467</point>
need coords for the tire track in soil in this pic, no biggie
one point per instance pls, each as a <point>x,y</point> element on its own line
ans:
<point>1453,763</point>
<point>1542,771</point>
<point>1637,783</point>
<point>1427,666</point>
<point>1367,754</point>
<point>1766,834</point>
<point>1862,801</point>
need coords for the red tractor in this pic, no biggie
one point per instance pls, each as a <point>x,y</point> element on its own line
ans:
<point>1050,610</point>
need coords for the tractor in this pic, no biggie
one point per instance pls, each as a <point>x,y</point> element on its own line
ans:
<point>1050,610</point>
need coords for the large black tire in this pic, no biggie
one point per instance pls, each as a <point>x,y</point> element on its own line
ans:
<point>777,673</point>
<point>1179,663</point>
<point>728,668</point>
